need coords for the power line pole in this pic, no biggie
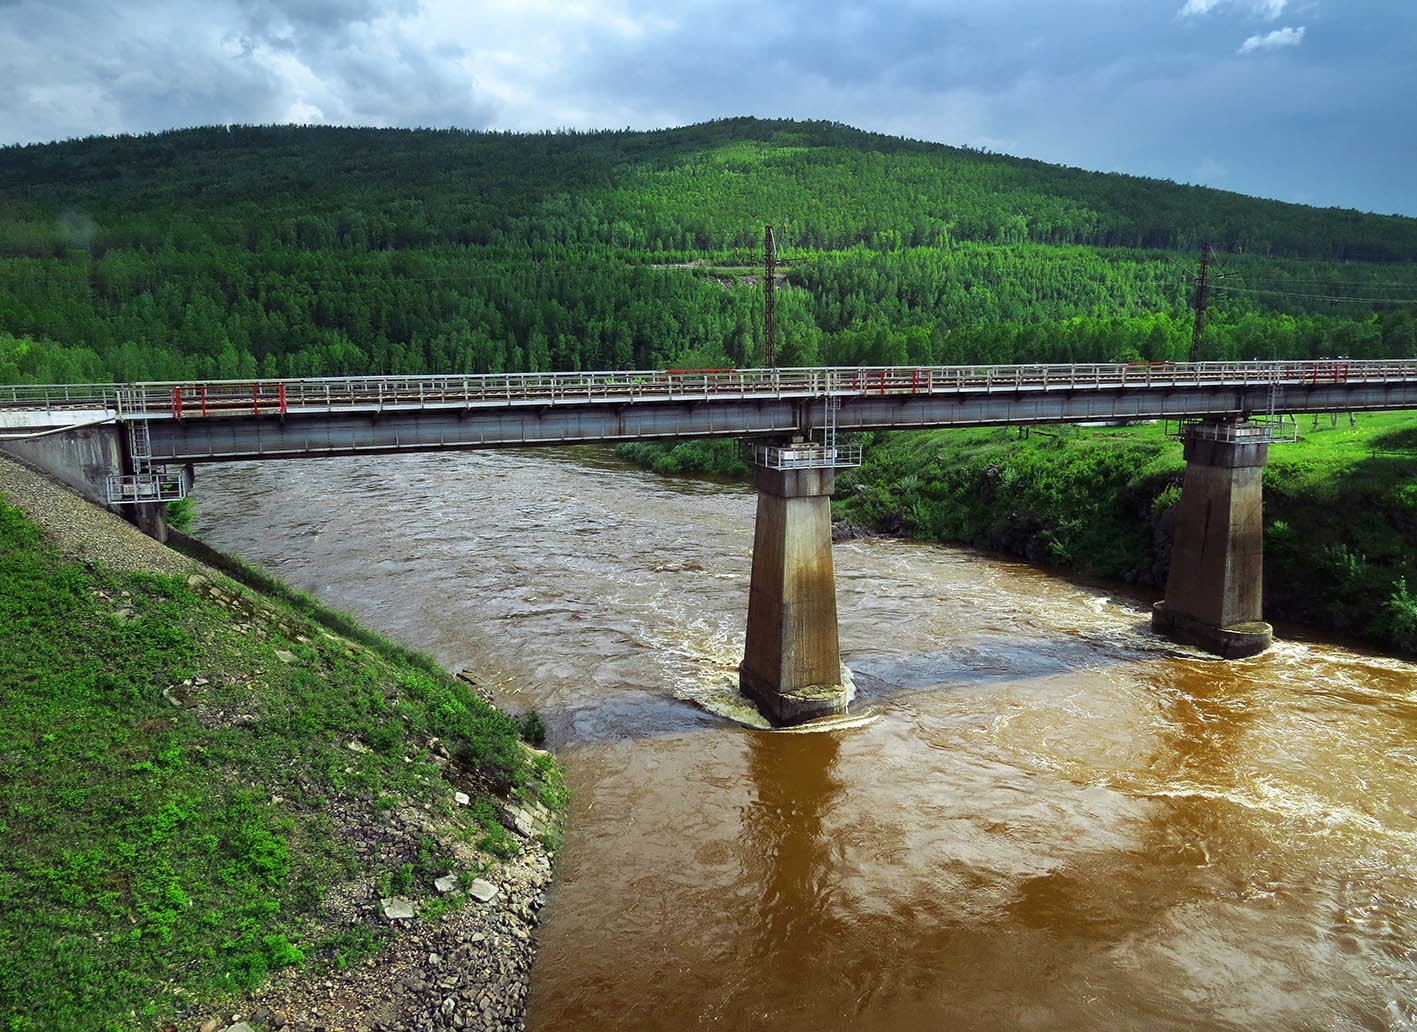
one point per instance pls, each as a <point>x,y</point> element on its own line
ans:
<point>768,286</point>
<point>1200,303</point>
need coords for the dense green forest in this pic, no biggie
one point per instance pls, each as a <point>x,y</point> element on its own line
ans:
<point>248,252</point>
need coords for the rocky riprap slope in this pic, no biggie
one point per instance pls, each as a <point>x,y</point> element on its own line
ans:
<point>468,971</point>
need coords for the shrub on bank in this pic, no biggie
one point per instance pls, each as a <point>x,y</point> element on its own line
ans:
<point>1062,498</point>
<point>1340,507</point>
<point>1340,510</point>
<point>717,457</point>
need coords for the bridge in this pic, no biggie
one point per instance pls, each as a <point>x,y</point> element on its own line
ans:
<point>134,446</point>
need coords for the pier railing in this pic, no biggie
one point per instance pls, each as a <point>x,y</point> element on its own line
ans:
<point>801,456</point>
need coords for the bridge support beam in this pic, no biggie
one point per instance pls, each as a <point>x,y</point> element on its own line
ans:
<point>792,661</point>
<point>1214,591</point>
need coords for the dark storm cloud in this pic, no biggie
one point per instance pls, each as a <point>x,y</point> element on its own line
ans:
<point>91,67</point>
<point>1306,100</point>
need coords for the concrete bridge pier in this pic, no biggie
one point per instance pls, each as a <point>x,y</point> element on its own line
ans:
<point>1214,591</point>
<point>792,661</point>
<point>150,518</point>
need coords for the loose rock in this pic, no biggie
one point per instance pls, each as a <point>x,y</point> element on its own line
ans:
<point>483,891</point>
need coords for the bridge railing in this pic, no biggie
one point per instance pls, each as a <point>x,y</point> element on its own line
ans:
<point>196,399</point>
<point>56,396</point>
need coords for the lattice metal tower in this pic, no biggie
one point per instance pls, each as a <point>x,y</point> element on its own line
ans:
<point>769,284</point>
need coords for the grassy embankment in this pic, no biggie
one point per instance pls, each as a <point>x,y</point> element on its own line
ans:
<point>1340,507</point>
<point>192,782</point>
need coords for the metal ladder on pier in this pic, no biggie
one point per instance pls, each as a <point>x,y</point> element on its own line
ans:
<point>831,402</point>
<point>1278,433</point>
<point>147,484</point>
<point>809,453</point>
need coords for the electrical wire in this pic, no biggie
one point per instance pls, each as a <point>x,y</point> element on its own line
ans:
<point>1317,297</point>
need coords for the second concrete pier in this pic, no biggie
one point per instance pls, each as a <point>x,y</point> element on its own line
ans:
<point>1214,592</point>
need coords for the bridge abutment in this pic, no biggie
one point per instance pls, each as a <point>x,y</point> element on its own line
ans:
<point>1214,591</point>
<point>83,458</point>
<point>91,460</point>
<point>792,659</point>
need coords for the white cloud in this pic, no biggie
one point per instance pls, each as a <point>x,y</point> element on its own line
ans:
<point>302,113</point>
<point>1209,170</point>
<point>1266,9</point>
<point>1288,37</point>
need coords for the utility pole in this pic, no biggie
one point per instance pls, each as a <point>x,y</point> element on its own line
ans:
<point>768,284</point>
<point>1200,303</point>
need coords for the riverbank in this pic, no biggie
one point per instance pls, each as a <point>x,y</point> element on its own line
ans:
<point>1339,506</point>
<point>216,807</point>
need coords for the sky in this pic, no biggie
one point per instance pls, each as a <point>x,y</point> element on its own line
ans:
<point>1313,101</point>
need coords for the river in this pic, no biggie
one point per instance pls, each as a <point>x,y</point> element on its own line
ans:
<point>1039,816</point>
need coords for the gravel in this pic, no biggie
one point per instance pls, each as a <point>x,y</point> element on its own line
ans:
<point>469,970</point>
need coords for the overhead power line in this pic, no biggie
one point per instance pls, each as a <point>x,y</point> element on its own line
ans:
<point>1317,297</point>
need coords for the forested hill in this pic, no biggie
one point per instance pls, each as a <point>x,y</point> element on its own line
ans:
<point>704,187</point>
<point>264,251</point>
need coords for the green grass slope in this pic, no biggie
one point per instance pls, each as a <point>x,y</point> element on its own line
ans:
<point>192,779</point>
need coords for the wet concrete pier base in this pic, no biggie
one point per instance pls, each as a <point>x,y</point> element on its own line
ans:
<point>1214,592</point>
<point>792,660</point>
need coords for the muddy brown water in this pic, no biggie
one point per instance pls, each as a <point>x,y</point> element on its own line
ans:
<point>1038,815</point>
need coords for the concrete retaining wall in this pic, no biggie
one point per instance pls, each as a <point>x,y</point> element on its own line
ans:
<point>83,459</point>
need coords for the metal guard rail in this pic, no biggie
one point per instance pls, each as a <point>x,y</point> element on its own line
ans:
<point>1226,430</point>
<point>196,399</point>
<point>802,456</point>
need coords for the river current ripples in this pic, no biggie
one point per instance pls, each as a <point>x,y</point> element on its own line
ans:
<point>1038,815</point>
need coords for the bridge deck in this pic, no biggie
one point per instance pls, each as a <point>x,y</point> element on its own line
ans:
<point>211,421</point>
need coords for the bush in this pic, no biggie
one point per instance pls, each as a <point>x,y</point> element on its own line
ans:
<point>180,514</point>
<point>715,457</point>
<point>1397,621</point>
<point>533,728</point>
<point>1165,500</point>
